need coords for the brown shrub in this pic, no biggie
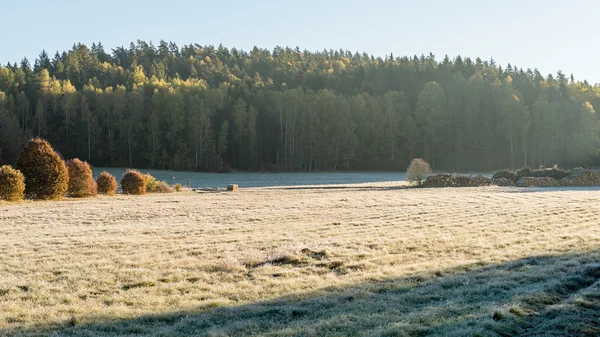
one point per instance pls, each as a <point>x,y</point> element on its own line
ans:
<point>163,187</point>
<point>178,187</point>
<point>81,179</point>
<point>150,182</point>
<point>107,184</point>
<point>418,170</point>
<point>12,184</point>
<point>46,175</point>
<point>133,182</point>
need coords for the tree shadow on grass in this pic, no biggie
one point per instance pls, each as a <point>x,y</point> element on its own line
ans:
<point>557,295</point>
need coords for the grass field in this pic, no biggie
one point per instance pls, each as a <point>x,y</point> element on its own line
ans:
<point>364,260</point>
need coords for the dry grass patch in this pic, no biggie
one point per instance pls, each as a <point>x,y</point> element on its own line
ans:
<point>472,261</point>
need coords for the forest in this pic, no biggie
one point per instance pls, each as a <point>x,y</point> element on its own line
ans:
<point>209,108</point>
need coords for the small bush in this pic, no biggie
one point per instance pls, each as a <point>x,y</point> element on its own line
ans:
<point>12,184</point>
<point>133,182</point>
<point>151,183</point>
<point>178,187</point>
<point>81,179</point>
<point>107,184</point>
<point>163,187</point>
<point>505,174</point>
<point>418,170</point>
<point>46,175</point>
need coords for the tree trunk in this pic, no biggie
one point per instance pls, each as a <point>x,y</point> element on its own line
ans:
<point>89,141</point>
<point>512,166</point>
<point>129,147</point>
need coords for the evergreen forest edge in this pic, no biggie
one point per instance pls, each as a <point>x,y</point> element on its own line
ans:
<point>211,109</point>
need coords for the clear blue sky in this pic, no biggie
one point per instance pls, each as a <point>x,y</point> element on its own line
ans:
<point>551,35</point>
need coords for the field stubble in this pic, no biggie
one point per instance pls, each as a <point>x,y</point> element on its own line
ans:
<point>360,260</point>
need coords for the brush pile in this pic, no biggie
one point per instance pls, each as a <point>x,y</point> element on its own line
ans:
<point>451,180</point>
<point>524,177</point>
<point>536,182</point>
<point>504,182</point>
<point>582,178</point>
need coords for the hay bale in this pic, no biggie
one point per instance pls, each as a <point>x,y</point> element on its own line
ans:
<point>232,187</point>
<point>537,182</point>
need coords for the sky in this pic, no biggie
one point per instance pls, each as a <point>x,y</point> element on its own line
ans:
<point>550,35</point>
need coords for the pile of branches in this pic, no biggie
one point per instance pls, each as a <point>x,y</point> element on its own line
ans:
<point>506,175</point>
<point>504,182</point>
<point>524,177</point>
<point>582,178</point>
<point>555,173</point>
<point>451,180</point>
<point>537,182</point>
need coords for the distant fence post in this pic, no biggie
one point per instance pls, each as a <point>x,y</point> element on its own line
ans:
<point>189,184</point>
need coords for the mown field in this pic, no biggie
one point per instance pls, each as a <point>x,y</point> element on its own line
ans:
<point>364,260</point>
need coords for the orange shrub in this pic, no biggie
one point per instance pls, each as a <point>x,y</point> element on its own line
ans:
<point>12,184</point>
<point>163,187</point>
<point>107,184</point>
<point>151,183</point>
<point>46,175</point>
<point>81,179</point>
<point>133,182</point>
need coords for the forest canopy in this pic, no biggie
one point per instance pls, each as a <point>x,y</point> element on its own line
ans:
<point>206,108</point>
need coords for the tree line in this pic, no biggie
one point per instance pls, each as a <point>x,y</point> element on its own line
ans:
<point>206,108</point>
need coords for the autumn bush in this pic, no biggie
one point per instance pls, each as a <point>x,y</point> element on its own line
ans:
<point>133,183</point>
<point>163,187</point>
<point>46,176</point>
<point>107,184</point>
<point>12,184</point>
<point>81,179</point>
<point>150,182</point>
<point>418,170</point>
<point>178,187</point>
